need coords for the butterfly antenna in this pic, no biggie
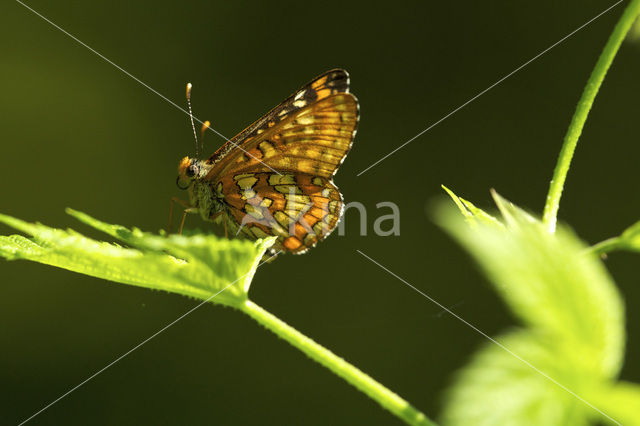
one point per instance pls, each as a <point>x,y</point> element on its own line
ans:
<point>193,126</point>
<point>203,129</point>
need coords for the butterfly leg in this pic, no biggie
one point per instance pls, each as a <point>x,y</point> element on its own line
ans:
<point>187,209</point>
<point>224,222</point>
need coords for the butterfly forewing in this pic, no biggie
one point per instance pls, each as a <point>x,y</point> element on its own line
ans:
<point>321,114</point>
<point>313,140</point>
<point>329,83</point>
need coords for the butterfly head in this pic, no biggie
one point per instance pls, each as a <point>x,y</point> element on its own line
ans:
<point>189,170</point>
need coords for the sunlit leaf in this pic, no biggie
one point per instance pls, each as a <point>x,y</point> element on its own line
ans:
<point>199,266</point>
<point>574,318</point>
<point>497,388</point>
<point>630,238</point>
<point>472,213</point>
<point>552,285</point>
<point>622,401</point>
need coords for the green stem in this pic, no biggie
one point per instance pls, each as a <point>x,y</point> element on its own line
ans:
<point>582,111</point>
<point>606,246</point>
<point>339,366</point>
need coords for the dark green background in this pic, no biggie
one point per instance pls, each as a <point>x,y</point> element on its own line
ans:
<point>77,132</point>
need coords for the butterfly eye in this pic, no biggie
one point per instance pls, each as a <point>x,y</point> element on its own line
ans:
<point>192,170</point>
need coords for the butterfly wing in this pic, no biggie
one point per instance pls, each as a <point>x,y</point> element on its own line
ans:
<point>275,176</point>
<point>310,132</point>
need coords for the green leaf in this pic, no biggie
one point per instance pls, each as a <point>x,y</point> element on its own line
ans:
<point>511,213</point>
<point>552,285</point>
<point>496,388</point>
<point>622,401</point>
<point>632,235</point>
<point>472,213</point>
<point>572,310</point>
<point>630,238</point>
<point>199,266</point>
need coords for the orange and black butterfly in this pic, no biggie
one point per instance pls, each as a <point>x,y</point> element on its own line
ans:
<point>275,178</point>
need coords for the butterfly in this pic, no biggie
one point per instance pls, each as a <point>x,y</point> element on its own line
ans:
<point>275,178</point>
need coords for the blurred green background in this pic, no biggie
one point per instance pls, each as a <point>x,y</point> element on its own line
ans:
<point>77,132</point>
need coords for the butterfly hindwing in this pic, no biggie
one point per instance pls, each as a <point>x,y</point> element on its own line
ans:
<point>301,209</point>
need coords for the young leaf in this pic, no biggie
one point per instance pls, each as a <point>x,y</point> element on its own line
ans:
<point>568,301</point>
<point>199,266</point>
<point>631,236</point>
<point>472,213</point>
<point>552,285</point>
<point>511,213</point>
<point>622,401</point>
<point>496,388</point>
